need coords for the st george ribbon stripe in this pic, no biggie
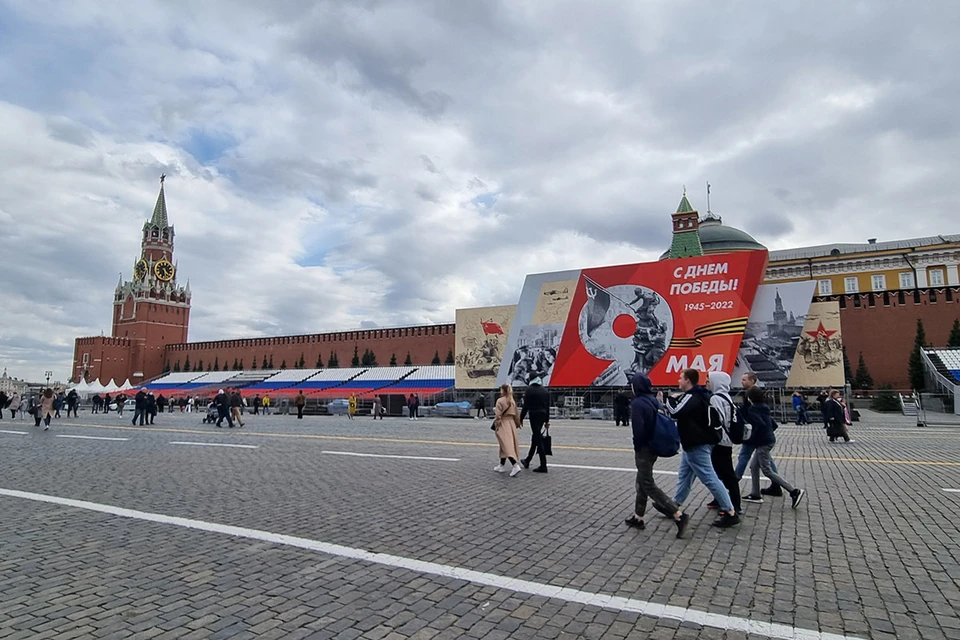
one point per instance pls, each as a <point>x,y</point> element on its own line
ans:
<point>723,327</point>
<point>642,607</point>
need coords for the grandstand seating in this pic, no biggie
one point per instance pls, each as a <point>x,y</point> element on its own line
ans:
<point>172,380</point>
<point>947,362</point>
<point>425,381</point>
<point>280,381</point>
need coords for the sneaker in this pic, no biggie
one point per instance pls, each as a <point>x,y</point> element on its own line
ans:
<point>797,496</point>
<point>753,498</point>
<point>682,523</point>
<point>46,428</point>
<point>540,470</point>
<point>634,521</point>
<point>712,504</point>
<point>726,520</point>
<point>516,469</point>
<point>772,490</point>
<point>499,468</point>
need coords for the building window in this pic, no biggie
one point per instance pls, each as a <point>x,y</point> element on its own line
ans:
<point>826,287</point>
<point>879,282</point>
<point>850,285</point>
<point>936,277</point>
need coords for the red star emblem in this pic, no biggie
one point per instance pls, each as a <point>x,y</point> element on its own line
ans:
<point>821,331</point>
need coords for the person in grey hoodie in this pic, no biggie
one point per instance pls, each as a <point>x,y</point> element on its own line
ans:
<point>721,412</point>
<point>643,420</point>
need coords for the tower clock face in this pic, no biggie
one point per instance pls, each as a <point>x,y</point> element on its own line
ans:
<point>140,270</point>
<point>163,270</point>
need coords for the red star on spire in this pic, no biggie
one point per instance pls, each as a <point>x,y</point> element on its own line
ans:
<point>821,331</point>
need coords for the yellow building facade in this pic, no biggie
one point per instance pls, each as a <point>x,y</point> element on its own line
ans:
<point>871,267</point>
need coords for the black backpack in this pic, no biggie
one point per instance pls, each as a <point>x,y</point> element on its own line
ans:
<point>740,430</point>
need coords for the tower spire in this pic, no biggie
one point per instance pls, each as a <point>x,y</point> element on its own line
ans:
<point>160,209</point>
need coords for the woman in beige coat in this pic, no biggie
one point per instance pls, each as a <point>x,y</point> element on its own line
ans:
<point>506,423</point>
<point>46,406</point>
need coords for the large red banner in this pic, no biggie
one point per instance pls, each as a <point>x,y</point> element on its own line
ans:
<point>659,318</point>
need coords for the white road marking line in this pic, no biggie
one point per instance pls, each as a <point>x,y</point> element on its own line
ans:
<point>382,455</point>
<point>951,490</point>
<point>16,433</point>
<point>630,469</point>
<point>642,607</point>
<point>217,444</point>
<point>92,438</point>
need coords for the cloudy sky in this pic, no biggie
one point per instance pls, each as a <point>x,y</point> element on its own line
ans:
<point>338,164</point>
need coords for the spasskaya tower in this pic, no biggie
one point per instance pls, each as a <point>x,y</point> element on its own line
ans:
<point>149,312</point>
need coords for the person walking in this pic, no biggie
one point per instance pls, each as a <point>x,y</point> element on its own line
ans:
<point>14,405</point>
<point>266,405</point>
<point>120,401</point>
<point>301,402</point>
<point>822,401</point>
<point>762,440</point>
<point>236,402</point>
<point>377,408</point>
<point>481,404</point>
<point>162,403</point>
<point>691,409</point>
<point>835,417</point>
<point>57,405</point>
<point>643,420</point>
<point>45,410</point>
<point>151,407</point>
<point>722,408</point>
<point>413,405</point>
<point>24,406</point>
<point>139,406</point>
<point>749,381</point>
<point>621,408</point>
<point>536,403</point>
<point>257,403</point>
<point>506,422</point>
<point>799,408</point>
<point>222,403</point>
<point>352,406</point>
<point>73,402</point>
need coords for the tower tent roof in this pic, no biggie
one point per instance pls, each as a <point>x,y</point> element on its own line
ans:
<point>159,218</point>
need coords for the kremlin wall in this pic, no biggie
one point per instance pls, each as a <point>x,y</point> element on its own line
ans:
<point>881,288</point>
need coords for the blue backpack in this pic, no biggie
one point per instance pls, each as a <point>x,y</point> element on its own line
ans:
<point>666,437</point>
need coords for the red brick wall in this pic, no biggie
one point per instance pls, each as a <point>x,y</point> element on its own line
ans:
<point>885,334</point>
<point>109,359</point>
<point>421,342</point>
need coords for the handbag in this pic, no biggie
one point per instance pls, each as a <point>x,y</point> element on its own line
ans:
<point>493,426</point>
<point>547,442</point>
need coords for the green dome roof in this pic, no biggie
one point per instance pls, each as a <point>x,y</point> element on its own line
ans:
<point>715,237</point>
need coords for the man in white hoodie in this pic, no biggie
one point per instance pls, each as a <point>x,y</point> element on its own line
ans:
<point>721,408</point>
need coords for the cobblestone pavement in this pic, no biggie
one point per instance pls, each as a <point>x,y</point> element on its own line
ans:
<point>872,552</point>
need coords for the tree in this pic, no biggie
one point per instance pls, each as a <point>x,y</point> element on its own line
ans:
<point>393,359</point>
<point>848,370</point>
<point>365,360</point>
<point>319,361</point>
<point>186,363</point>
<point>916,360</point>
<point>264,365</point>
<point>954,339</point>
<point>199,366</point>
<point>236,365</point>
<point>176,367</point>
<point>436,358</point>
<point>886,400</point>
<point>216,363</point>
<point>283,364</point>
<point>166,369</point>
<point>356,357</point>
<point>241,364</point>
<point>253,363</point>
<point>332,361</point>
<point>301,361</point>
<point>449,359</point>
<point>271,362</point>
<point>373,358</point>
<point>208,366</point>
<point>408,361</point>
<point>864,380</point>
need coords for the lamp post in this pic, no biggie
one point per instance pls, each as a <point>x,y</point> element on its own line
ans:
<point>48,374</point>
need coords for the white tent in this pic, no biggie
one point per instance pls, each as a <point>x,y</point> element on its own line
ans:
<point>81,387</point>
<point>94,387</point>
<point>111,387</point>
<point>126,386</point>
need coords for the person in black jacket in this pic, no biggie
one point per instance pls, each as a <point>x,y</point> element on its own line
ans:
<point>151,407</point>
<point>835,418</point>
<point>536,402</point>
<point>222,402</point>
<point>140,406</point>
<point>643,420</point>
<point>621,408</point>
<point>691,409</point>
<point>762,440</point>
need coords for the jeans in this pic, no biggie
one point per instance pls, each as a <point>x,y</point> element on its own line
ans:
<point>647,486</point>
<point>801,415</point>
<point>139,414</point>
<point>763,462</point>
<point>696,463</point>
<point>300,412</point>
<point>746,452</point>
<point>224,412</point>
<point>537,420</point>
<point>722,459</point>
